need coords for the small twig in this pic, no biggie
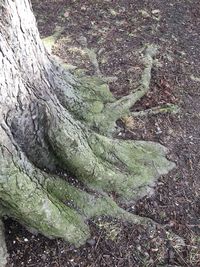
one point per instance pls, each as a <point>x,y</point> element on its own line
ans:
<point>98,240</point>
<point>59,258</point>
<point>186,264</point>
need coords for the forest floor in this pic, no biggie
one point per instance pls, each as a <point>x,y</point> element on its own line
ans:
<point>107,37</point>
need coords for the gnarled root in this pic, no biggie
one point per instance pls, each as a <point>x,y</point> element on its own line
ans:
<point>168,108</point>
<point>25,198</point>
<point>51,206</point>
<point>48,204</point>
<point>102,109</point>
<point>127,168</point>
<point>104,165</point>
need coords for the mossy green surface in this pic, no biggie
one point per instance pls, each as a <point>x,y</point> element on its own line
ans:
<point>25,198</point>
<point>128,168</point>
<point>78,133</point>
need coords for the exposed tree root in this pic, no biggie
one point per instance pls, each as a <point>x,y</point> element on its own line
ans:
<point>102,109</point>
<point>91,205</point>
<point>51,206</point>
<point>104,165</point>
<point>60,209</point>
<point>50,41</point>
<point>49,116</point>
<point>121,107</point>
<point>128,168</point>
<point>169,108</point>
<point>25,198</point>
<point>96,105</point>
<point>91,54</point>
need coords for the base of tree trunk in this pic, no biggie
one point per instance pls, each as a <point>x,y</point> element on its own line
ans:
<point>103,166</point>
<point>55,208</point>
<point>52,120</point>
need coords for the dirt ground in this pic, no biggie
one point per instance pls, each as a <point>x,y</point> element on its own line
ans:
<point>114,32</point>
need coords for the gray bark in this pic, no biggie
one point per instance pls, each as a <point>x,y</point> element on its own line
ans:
<point>51,120</point>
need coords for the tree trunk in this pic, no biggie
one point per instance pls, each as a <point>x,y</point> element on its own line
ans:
<point>51,120</point>
<point>3,251</point>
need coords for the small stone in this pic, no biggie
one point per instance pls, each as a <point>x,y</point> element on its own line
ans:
<point>66,14</point>
<point>155,11</point>
<point>144,14</point>
<point>113,12</point>
<point>43,257</point>
<point>91,242</point>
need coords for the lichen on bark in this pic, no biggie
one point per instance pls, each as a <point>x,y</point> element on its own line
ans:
<point>52,120</point>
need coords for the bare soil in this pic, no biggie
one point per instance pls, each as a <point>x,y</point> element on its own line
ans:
<point>116,31</point>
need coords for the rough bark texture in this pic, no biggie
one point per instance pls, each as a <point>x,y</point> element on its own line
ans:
<point>51,120</point>
<point>3,251</point>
